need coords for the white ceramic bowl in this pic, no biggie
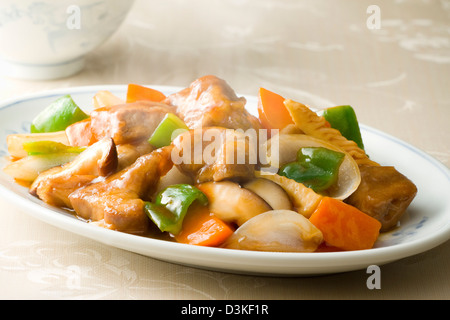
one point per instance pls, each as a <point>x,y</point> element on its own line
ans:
<point>48,39</point>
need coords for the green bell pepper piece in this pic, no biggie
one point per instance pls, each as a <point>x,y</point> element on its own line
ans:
<point>58,116</point>
<point>343,118</point>
<point>49,147</point>
<point>171,206</point>
<point>169,128</point>
<point>310,175</point>
<point>324,158</point>
<point>316,168</point>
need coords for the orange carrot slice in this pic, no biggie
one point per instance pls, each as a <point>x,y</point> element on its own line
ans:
<point>140,93</point>
<point>344,226</point>
<point>202,228</point>
<point>272,111</point>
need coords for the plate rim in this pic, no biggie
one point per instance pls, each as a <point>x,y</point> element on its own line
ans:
<point>295,267</point>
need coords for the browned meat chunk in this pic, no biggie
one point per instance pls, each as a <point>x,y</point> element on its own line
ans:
<point>118,201</point>
<point>215,154</point>
<point>80,134</point>
<point>129,153</point>
<point>55,185</point>
<point>384,194</point>
<point>129,123</point>
<point>211,102</point>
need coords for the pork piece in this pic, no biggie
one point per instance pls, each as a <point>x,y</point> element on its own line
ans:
<point>210,102</point>
<point>128,123</point>
<point>129,153</point>
<point>118,201</point>
<point>215,154</point>
<point>384,194</point>
<point>80,134</point>
<point>55,185</point>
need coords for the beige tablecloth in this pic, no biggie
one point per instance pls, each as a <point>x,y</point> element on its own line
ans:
<point>319,52</point>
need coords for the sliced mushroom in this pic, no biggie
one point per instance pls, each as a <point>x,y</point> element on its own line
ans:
<point>276,231</point>
<point>271,192</point>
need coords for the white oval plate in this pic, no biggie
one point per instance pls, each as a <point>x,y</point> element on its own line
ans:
<point>425,225</point>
